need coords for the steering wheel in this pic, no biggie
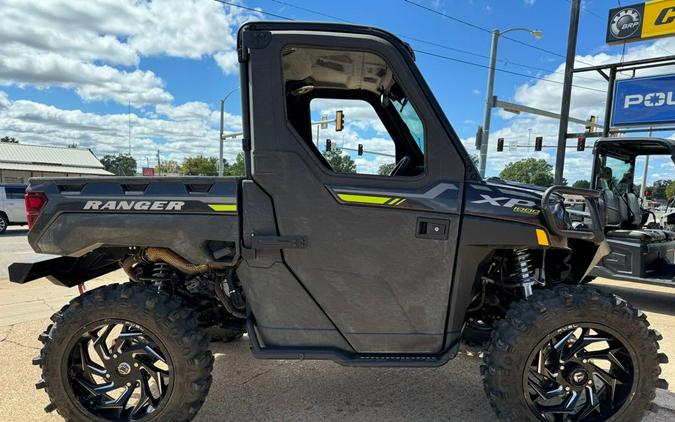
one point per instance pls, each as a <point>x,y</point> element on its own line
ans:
<point>403,163</point>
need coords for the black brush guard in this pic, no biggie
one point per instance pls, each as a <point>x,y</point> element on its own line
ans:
<point>594,204</point>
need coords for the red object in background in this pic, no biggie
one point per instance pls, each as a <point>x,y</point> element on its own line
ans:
<point>34,202</point>
<point>648,194</point>
<point>148,171</point>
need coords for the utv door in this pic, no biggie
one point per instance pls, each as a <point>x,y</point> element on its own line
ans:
<point>381,226</point>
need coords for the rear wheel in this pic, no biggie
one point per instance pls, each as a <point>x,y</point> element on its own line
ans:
<point>4,223</point>
<point>123,353</point>
<point>572,354</point>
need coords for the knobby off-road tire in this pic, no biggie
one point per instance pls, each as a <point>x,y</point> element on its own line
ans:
<point>533,346</point>
<point>153,328</point>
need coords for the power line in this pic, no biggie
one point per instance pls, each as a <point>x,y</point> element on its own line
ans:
<point>251,9</point>
<point>325,15</point>
<point>483,29</point>
<point>440,56</point>
<point>485,56</point>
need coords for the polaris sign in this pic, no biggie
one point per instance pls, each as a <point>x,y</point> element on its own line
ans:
<point>644,101</point>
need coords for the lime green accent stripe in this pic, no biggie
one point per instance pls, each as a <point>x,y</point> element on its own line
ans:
<point>364,199</point>
<point>395,201</point>
<point>224,207</point>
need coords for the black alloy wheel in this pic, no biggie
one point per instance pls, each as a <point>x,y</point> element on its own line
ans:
<point>118,370</point>
<point>582,373</point>
<point>572,353</point>
<point>125,353</point>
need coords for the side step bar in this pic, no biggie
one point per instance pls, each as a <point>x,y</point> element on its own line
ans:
<point>345,358</point>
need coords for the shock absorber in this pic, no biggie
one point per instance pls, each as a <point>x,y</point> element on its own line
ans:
<point>524,272</point>
<point>161,272</point>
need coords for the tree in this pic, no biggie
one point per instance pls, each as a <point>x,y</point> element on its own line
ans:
<point>200,166</point>
<point>583,184</point>
<point>120,165</point>
<point>658,191</point>
<point>529,170</point>
<point>236,169</point>
<point>386,169</point>
<point>168,166</point>
<point>9,140</point>
<point>670,191</point>
<point>474,159</point>
<point>340,163</point>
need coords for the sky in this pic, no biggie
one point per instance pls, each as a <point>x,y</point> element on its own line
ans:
<point>120,75</point>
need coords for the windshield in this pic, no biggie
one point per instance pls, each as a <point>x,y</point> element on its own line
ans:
<point>412,120</point>
<point>618,175</point>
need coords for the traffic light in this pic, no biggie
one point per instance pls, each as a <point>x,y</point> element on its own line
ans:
<point>538,143</point>
<point>500,144</point>
<point>581,143</point>
<point>329,145</point>
<point>360,149</point>
<point>339,120</point>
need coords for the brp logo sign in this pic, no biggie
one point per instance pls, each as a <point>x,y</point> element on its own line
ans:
<point>625,23</point>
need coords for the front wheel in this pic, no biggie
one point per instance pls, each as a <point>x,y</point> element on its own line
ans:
<point>572,354</point>
<point>125,353</point>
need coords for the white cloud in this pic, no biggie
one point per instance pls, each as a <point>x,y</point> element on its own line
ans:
<point>80,44</point>
<point>530,2</point>
<point>188,129</point>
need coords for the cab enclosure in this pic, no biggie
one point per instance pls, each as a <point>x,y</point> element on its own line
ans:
<point>642,249</point>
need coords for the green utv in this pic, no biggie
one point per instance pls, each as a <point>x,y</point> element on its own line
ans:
<point>361,269</point>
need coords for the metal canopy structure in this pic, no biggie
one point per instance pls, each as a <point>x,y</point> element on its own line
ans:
<point>609,73</point>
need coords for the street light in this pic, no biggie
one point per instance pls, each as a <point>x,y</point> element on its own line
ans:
<point>222,116</point>
<point>489,100</point>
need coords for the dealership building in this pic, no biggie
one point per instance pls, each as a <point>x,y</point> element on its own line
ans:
<point>20,162</point>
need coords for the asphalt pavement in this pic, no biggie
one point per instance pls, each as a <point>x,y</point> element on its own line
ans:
<point>248,389</point>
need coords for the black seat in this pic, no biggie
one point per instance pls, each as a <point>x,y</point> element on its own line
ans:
<point>647,236</point>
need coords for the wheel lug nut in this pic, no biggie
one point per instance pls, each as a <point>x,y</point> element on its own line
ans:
<point>128,384</point>
<point>135,364</point>
<point>114,356</point>
<point>107,376</point>
<point>567,389</point>
<point>562,367</point>
<point>585,361</point>
<point>590,382</point>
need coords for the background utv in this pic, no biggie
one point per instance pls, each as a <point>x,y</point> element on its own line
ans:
<point>365,270</point>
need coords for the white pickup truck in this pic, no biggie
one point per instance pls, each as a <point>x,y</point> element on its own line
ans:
<point>12,211</point>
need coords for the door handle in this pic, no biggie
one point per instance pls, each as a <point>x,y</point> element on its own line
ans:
<point>432,228</point>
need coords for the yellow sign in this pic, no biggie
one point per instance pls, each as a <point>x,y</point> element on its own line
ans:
<point>659,18</point>
<point>654,18</point>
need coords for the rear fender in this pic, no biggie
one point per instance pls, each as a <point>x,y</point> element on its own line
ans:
<point>62,270</point>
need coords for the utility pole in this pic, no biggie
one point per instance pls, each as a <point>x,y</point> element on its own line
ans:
<point>489,103</point>
<point>643,187</point>
<point>220,155</point>
<point>567,92</point>
<point>129,118</point>
<point>489,97</point>
<point>220,138</point>
<point>158,163</point>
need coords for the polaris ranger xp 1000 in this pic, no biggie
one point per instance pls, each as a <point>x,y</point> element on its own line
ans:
<point>317,259</point>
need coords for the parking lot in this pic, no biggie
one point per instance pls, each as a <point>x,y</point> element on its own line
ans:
<point>249,389</point>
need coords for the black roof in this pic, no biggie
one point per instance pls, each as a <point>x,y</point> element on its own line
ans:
<point>635,146</point>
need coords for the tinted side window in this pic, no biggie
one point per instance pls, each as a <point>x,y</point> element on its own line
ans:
<point>15,193</point>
